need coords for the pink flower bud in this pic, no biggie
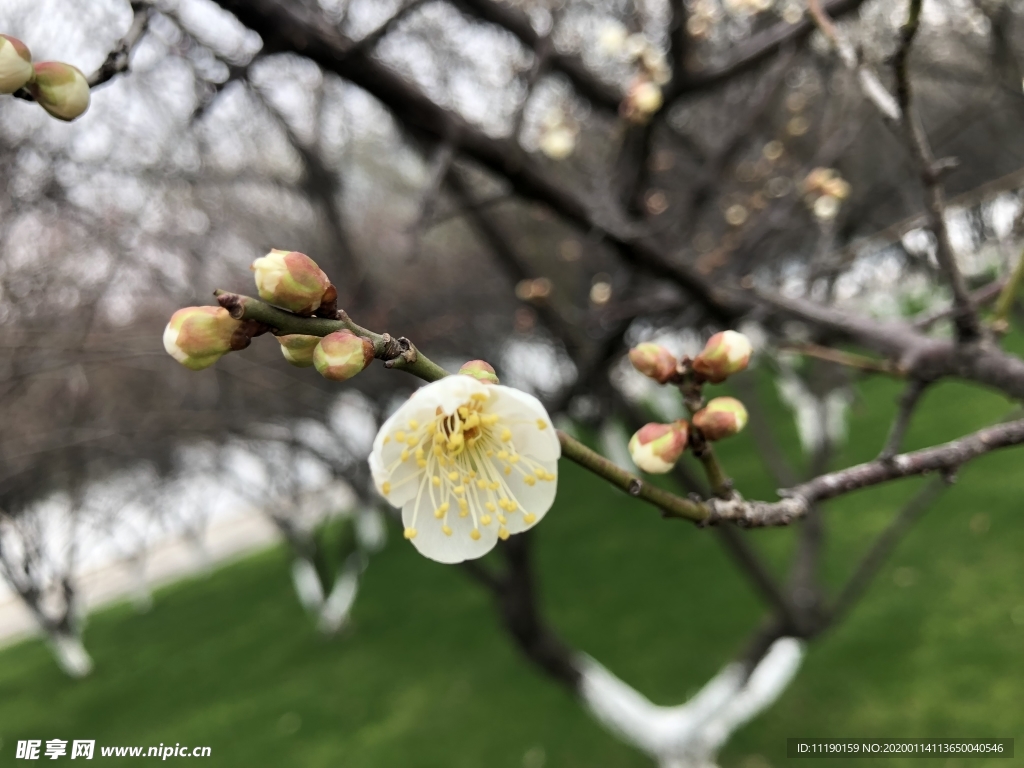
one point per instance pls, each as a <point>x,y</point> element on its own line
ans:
<point>290,280</point>
<point>655,448</point>
<point>60,89</point>
<point>298,349</point>
<point>654,361</point>
<point>197,337</point>
<point>341,355</point>
<point>722,417</point>
<point>15,64</point>
<point>725,353</point>
<point>481,370</point>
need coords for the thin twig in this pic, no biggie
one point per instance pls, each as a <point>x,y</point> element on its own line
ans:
<point>908,402</point>
<point>848,359</point>
<point>930,171</point>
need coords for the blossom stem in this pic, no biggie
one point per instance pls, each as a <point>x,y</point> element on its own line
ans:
<point>396,353</point>
<point>670,504</point>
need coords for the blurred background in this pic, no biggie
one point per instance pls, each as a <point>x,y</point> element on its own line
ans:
<point>200,558</point>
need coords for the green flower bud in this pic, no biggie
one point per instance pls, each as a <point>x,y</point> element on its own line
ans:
<point>298,349</point>
<point>725,353</point>
<point>722,417</point>
<point>479,369</point>
<point>15,64</point>
<point>341,355</point>
<point>60,89</point>
<point>655,448</point>
<point>197,337</point>
<point>654,361</point>
<point>290,280</point>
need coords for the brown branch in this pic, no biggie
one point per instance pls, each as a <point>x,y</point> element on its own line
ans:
<point>908,402</point>
<point>848,359</point>
<point>118,60</point>
<point>930,171</point>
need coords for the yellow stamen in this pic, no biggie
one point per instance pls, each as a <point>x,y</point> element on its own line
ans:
<point>490,506</point>
<point>453,476</point>
<point>405,454</point>
<point>529,518</point>
<point>400,436</point>
<point>479,396</point>
<point>474,535</point>
<point>435,481</point>
<point>541,424</point>
<point>413,424</point>
<point>386,487</point>
<point>387,439</point>
<point>503,533</point>
<point>485,520</point>
<point>410,533</point>
<point>506,435</point>
<point>530,480</point>
<point>447,531</point>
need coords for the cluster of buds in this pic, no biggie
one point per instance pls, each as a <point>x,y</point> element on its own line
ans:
<point>59,88</point>
<point>824,192</point>
<point>197,337</point>
<point>656,448</point>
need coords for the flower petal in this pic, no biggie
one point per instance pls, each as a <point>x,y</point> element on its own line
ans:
<point>532,499</point>
<point>430,539</point>
<point>523,414</point>
<point>447,393</point>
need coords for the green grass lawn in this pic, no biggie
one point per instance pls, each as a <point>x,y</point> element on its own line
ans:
<point>426,677</point>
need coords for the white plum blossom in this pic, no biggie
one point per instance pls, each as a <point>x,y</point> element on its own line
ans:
<point>468,463</point>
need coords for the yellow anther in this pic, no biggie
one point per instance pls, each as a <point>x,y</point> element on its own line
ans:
<point>481,484</point>
<point>503,533</point>
<point>495,485</point>
<point>501,519</point>
<point>400,436</point>
<point>447,531</point>
<point>413,424</point>
<point>409,533</point>
<point>489,453</point>
<point>405,454</point>
<point>511,506</point>
<point>411,440</point>
<point>542,474</point>
<point>502,455</point>
<point>419,453</point>
<point>529,518</point>
<point>463,411</point>
<point>473,421</point>
<point>438,451</point>
<point>506,435</point>
<point>421,463</point>
<point>387,439</point>
<point>490,506</point>
<point>530,480</point>
<point>489,419</point>
<point>541,424</point>
<point>386,487</point>
<point>435,481</point>
<point>479,396</point>
<point>453,476</point>
<point>438,439</point>
<point>459,489</point>
<point>508,470</point>
<point>463,504</point>
<point>474,535</point>
<point>456,441</point>
<point>485,520</point>
<point>513,459</point>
